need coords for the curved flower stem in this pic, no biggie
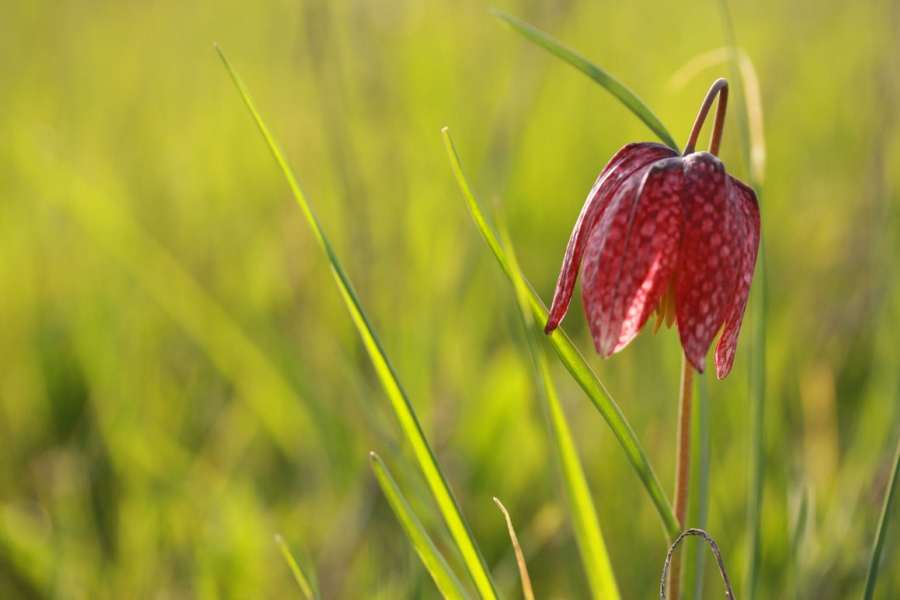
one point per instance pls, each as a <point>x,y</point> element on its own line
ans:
<point>720,88</point>
<point>682,466</point>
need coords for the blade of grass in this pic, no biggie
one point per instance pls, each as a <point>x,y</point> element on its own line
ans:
<point>610,83</point>
<point>878,546</point>
<point>434,562</point>
<point>409,424</point>
<point>585,524</point>
<point>520,558</point>
<point>305,582</point>
<point>702,473</point>
<point>758,299</point>
<point>570,356</point>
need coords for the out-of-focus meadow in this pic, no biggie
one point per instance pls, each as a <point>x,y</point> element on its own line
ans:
<point>180,380</point>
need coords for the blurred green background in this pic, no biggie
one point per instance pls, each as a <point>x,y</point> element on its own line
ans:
<point>179,379</point>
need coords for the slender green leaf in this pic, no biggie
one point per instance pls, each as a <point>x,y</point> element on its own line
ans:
<point>878,546</point>
<point>702,474</point>
<point>434,562</point>
<point>757,434</point>
<point>306,583</point>
<point>570,357</point>
<point>610,83</point>
<point>588,535</point>
<point>758,320</point>
<point>581,505</point>
<point>400,403</point>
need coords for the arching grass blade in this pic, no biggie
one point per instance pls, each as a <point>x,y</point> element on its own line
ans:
<point>610,83</point>
<point>409,424</point>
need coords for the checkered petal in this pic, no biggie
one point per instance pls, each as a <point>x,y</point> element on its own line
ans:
<point>631,255</point>
<point>631,159</point>
<point>710,258</point>
<point>742,196</point>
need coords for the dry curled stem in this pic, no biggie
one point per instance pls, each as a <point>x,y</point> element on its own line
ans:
<point>729,593</point>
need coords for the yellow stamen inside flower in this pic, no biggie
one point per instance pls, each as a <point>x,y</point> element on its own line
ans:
<point>666,309</point>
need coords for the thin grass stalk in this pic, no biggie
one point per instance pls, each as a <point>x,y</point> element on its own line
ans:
<point>586,526</point>
<point>607,81</point>
<point>878,546</point>
<point>682,466</point>
<point>409,423</point>
<point>527,590</point>
<point>434,562</point>
<point>570,356</point>
<point>306,582</point>
<point>702,491</point>
<point>757,372</point>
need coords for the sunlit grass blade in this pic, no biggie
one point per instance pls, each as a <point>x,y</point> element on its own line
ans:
<point>585,524</point>
<point>758,320</point>
<point>434,562</point>
<point>409,424</point>
<point>570,356</point>
<point>610,83</point>
<point>520,558</point>
<point>878,546</point>
<point>306,583</point>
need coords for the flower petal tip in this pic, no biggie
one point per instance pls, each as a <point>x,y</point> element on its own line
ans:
<point>724,361</point>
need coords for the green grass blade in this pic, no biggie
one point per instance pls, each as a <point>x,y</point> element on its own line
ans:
<point>758,298</point>
<point>570,357</point>
<point>610,83</point>
<point>409,424</point>
<point>878,546</point>
<point>581,505</point>
<point>702,471</point>
<point>588,535</point>
<point>434,562</point>
<point>306,583</point>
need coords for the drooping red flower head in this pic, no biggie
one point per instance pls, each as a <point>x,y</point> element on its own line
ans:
<point>662,231</point>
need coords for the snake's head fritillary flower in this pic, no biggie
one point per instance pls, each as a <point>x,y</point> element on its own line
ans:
<point>669,233</point>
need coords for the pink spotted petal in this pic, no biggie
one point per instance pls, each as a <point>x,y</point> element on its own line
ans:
<point>652,252</point>
<point>742,196</point>
<point>620,168</point>
<point>631,255</point>
<point>709,261</point>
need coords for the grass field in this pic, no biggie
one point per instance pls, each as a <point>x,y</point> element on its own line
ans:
<point>180,379</point>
